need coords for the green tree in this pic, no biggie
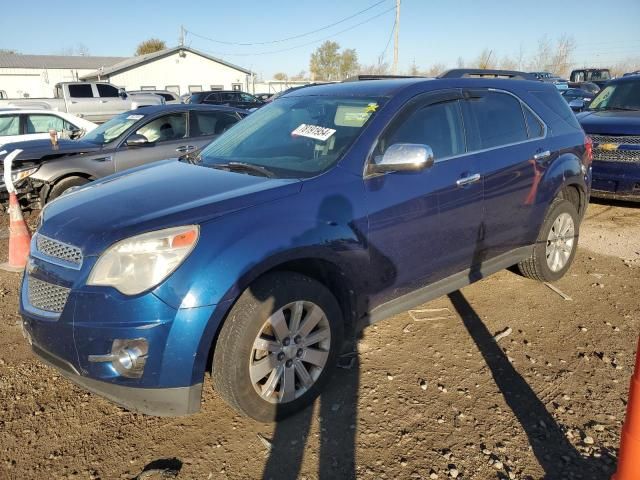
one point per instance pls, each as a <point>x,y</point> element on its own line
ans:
<point>328,63</point>
<point>150,46</point>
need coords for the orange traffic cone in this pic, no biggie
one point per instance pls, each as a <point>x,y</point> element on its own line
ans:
<point>19,238</point>
<point>629,453</point>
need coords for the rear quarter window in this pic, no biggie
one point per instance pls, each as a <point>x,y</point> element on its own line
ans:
<point>555,111</point>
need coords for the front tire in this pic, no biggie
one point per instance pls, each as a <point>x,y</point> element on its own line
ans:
<point>64,185</point>
<point>278,346</point>
<point>556,245</point>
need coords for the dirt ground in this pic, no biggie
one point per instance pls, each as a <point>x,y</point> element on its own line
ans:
<point>430,395</point>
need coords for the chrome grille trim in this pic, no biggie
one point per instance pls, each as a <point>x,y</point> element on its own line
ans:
<point>62,251</point>
<point>616,155</point>
<point>46,296</point>
<point>618,139</point>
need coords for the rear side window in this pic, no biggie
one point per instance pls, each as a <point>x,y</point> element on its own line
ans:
<point>555,111</point>
<point>9,125</point>
<point>107,91</point>
<point>82,90</point>
<point>211,123</point>
<point>438,125</point>
<point>493,119</point>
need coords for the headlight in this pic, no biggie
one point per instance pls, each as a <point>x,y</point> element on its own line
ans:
<point>139,263</point>
<point>18,175</point>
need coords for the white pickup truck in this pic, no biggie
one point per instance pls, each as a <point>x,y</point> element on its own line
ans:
<point>94,101</point>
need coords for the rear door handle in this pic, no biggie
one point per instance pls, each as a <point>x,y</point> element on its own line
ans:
<point>538,157</point>
<point>461,182</point>
<point>185,148</point>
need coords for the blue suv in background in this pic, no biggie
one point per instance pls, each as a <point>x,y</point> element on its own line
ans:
<point>327,210</point>
<point>612,120</point>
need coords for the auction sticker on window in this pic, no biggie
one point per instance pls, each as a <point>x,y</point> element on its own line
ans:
<point>313,131</point>
<point>135,117</point>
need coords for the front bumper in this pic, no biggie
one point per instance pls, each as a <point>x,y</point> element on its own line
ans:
<point>151,401</point>
<point>616,180</point>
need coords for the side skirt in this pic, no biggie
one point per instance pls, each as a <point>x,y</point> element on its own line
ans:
<point>444,286</point>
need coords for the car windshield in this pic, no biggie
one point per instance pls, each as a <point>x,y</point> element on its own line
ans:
<point>109,131</point>
<point>293,137</point>
<point>619,96</point>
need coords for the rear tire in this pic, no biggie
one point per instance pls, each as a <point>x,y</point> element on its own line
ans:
<point>556,245</point>
<point>268,361</point>
<point>65,184</point>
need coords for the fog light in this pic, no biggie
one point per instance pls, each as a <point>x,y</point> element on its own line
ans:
<point>128,356</point>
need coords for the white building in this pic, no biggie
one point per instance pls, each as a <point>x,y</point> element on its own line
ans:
<point>178,69</point>
<point>36,75</point>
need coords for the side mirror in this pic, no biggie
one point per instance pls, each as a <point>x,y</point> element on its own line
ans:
<point>122,93</point>
<point>576,105</point>
<point>403,157</point>
<point>137,140</point>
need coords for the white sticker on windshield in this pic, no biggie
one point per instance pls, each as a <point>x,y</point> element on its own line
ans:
<point>313,131</point>
<point>135,117</point>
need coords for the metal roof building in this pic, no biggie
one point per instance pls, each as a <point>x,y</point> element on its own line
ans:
<point>179,69</point>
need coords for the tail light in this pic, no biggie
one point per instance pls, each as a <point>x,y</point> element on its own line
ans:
<point>588,151</point>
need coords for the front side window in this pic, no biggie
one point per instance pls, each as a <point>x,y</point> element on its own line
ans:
<point>107,91</point>
<point>44,123</point>
<point>82,90</point>
<point>438,125</point>
<point>9,125</point>
<point>294,137</point>
<point>493,119</point>
<point>166,128</point>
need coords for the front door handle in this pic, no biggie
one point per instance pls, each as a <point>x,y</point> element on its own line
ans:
<point>542,156</point>
<point>185,148</point>
<point>461,182</point>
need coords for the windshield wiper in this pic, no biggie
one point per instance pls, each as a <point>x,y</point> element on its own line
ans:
<point>624,109</point>
<point>242,166</point>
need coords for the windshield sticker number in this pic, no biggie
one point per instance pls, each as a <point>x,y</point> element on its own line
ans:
<point>135,117</point>
<point>313,131</point>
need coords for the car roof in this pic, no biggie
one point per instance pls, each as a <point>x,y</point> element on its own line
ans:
<point>627,79</point>
<point>391,87</point>
<point>185,107</point>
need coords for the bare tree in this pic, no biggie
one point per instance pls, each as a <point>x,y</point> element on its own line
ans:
<point>301,75</point>
<point>541,59</point>
<point>280,76</point>
<point>413,69</point>
<point>508,63</point>
<point>435,69</point>
<point>561,59</point>
<point>460,62</point>
<point>150,46</point>
<point>379,68</point>
<point>630,64</point>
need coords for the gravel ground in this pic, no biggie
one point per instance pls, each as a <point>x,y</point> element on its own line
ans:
<point>430,394</point>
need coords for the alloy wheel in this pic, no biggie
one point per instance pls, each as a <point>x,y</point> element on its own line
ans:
<point>560,242</point>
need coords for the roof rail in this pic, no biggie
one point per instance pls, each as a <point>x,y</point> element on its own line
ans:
<point>357,78</point>
<point>483,73</point>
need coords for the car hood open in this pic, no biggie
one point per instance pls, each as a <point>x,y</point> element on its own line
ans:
<point>165,194</point>
<point>610,122</point>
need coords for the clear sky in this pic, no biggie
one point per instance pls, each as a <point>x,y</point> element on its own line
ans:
<point>431,31</point>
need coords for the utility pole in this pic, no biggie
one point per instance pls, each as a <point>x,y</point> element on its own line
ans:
<point>182,35</point>
<point>395,39</point>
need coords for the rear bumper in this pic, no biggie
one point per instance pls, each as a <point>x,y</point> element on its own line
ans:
<point>150,401</point>
<point>616,180</point>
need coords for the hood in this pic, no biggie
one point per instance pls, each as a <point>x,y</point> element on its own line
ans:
<point>610,122</point>
<point>42,149</point>
<point>165,194</point>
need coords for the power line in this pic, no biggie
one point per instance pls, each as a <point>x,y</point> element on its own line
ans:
<point>304,44</point>
<point>384,52</point>
<point>289,38</point>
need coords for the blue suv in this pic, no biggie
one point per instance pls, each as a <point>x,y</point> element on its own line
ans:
<point>612,120</point>
<point>327,210</point>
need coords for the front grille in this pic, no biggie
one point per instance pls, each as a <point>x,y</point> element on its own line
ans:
<point>46,296</point>
<point>616,155</point>
<point>62,251</point>
<point>620,139</point>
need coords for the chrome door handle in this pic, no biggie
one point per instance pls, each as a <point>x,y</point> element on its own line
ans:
<point>103,101</point>
<point>461,182</point>
<point>542,155</point>
<point>185,149</point>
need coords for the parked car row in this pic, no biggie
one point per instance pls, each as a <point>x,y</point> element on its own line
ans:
<point>36,124</point>
<point>326,210</point>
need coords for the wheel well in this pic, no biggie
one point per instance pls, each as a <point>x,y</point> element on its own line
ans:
<point>576,196</point>
<point>46,190</point>
<point>324,272</point>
